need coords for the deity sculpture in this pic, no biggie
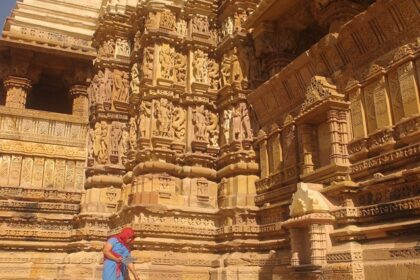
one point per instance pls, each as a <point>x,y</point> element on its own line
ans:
<point>163,115</point>
<point>125,92</point>
<point>135,80</point>
<point>166,59</point>
<point>213,128</point>
<point>108,77</point>
<point>213,74</point>
<point>180,68</point>
<point>117,84</point>
<point>144,119</point>
<point>225,70</point>
<point>246,121</point>
<point>148,62</point>
<point>178,123</point>
<point>236,124</point>
<point>132,133</point>
<point>103,143</point>
<point>116,133</point>
<point>227,116</point>
<point>200,66</point>
<point>199,122</point>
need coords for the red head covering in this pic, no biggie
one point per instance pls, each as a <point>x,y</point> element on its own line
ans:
<point>125,237</point>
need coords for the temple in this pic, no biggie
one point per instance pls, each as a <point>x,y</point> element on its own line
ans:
<point>241,139</point>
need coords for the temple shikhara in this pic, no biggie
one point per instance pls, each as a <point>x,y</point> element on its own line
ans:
<point>240,139</point>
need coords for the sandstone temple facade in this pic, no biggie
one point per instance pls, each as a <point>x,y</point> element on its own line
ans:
<point>241,139</point>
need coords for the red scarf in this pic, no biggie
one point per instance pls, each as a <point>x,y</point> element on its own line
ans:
<point>123,237</point>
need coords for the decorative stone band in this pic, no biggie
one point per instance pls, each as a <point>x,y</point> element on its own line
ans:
<point>386,159</point>
<point>42,194</point>
<point>379,209</point>
<point>41,150</point>
<point>28,206</point>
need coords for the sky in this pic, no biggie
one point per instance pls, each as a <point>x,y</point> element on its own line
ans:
<point>6,7</point>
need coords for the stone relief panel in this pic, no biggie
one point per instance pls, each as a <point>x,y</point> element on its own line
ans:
<point>163,115</point>
<point>41,172</point>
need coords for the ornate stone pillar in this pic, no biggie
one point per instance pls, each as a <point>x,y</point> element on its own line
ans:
<point>306,132</point>
<point>332,14</point>
<point>16,90</point>
<point>80,100</point>
<point>333,122</point>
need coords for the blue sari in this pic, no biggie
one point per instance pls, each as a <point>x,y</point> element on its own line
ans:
<point>109,271</point>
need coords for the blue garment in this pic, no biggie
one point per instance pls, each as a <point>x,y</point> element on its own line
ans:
<point>110,267</point>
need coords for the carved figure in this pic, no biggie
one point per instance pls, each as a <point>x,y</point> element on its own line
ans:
<point>180,68</point>
<point>133,133</point>
<point>166,59</point>
<point>213,128</point>
<point>102,82</point>
<point>226,124</point>
<point>163,115</point>
<point>135,80</point>
<point>200,66</point>
<point>124,143</point>
<point>108,77</point>
<point>167,20</point>
<point>236,124</point>
<point>125,92</point>
<point>199,122</point>
<point>144,119</point>
<point>213,74</point>
<point>236,66</point>
<point>178,123</point>
<point>118,86</point>
<point>246,121</point>
<point>200,24</point>
<point>103,143</point>
<point>91,143</point>
<point>116,133</point>
<point>148,62</point>
<point>181,27</point>
<point>226,70</point>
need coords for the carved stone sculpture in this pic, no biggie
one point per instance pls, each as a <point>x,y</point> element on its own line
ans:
<point>148,57</point>
<point>226,71</point>
<point>163,117</point>
<point>200,66</point>
<point>144,119</point>
<point>213,74</point>
<point>166,59</point>
<point>132,133</point>
<point>200,123</point>
<point>246,121</point>
<point>179,123</point>
<point>116,134</point>
<point>212,128</point>
<point>135,80</point>
<point>180,68</point>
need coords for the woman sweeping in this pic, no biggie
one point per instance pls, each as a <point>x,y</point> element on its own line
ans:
<point>117,256</point>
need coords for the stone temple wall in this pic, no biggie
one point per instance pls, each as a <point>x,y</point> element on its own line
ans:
<point>241,139</point>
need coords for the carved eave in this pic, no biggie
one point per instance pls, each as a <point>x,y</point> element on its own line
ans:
<point>52,29</point>
<point>228,7</point>
<point>272,10</point>
<point>203,7</point>
<point>111,26</point>
<point>286,90</point>
<point>312,218</point>
<point>319,100</point>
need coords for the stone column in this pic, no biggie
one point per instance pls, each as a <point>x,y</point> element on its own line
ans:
<point>17,89</point>
<point>80,100</point>
<point>332,119</point>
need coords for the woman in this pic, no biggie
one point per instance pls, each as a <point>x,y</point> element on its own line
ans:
<point>117,256</point>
